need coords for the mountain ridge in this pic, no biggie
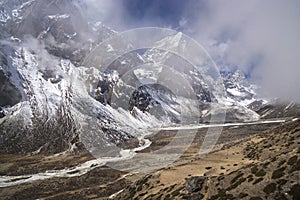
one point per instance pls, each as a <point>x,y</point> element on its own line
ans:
<point>43,65</point>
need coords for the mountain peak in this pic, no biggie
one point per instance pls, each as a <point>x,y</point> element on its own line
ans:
<point>170,42</point>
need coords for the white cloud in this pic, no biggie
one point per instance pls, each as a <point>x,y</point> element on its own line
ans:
<point>183,21</point>
<point>261,33</point>
<point>108,11</point>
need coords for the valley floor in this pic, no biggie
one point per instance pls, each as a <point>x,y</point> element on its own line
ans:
<point>257,161</point>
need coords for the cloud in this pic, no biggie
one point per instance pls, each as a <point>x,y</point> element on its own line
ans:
<point>107,11</point>
<point>46,61</point>
<point>259,37</point>
<point>262,38</point>
<point>183,21</point>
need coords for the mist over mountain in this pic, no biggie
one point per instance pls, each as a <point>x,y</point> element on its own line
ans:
<point>44,81</point>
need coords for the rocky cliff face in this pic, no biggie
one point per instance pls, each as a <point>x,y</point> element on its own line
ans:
<point>9,94</point>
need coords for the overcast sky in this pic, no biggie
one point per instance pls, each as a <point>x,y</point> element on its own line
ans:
<point>260,37</point>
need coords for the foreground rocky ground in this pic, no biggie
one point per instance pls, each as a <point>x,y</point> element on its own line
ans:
<point>263,167</point>
<point>249,162</point>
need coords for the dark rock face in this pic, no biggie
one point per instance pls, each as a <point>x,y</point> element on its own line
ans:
<point>194,184</point>
<point>255,105</point>
<point>200,88</point>
<point>9,95</point>
<point>104,87</point>
<point>2,114</point>
<point>153,98</point>
<point>141,99</point>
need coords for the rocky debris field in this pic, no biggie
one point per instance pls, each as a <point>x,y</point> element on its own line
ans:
<point>263,167</point>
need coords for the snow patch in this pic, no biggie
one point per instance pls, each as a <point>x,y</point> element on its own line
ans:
<point>57,17</point>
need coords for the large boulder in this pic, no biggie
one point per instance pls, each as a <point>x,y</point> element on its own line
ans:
<point>194,183</point>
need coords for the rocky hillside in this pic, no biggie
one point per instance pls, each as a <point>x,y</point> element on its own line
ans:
<point>277,109</point>
<point>265,167</point>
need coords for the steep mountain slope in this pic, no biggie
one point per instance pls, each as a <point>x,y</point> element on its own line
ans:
<point>277,109</point>
<point>52,98</point>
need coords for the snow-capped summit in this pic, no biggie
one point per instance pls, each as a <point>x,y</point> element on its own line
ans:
<point>170,42</point>
<point>239,89</point>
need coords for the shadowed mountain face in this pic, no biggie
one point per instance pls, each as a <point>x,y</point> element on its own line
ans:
<point>61,25</point>
<point>61,17</point>
<point>277,109</point>
<point>9,94</point>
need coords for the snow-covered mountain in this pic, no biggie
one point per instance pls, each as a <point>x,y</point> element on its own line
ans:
<point>239,89</point>
<point>48,99</point>
<point>238,92</point>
